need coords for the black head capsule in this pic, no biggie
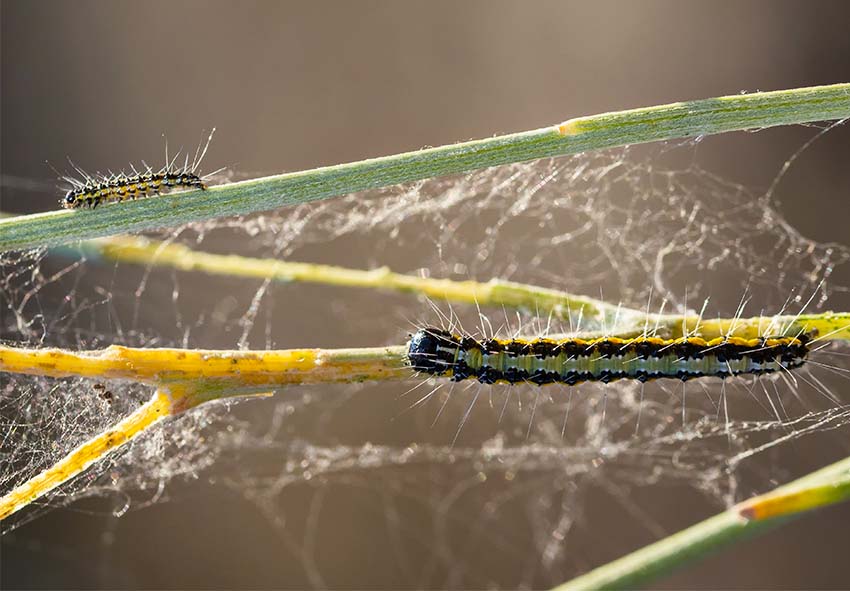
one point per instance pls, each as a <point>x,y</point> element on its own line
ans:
<point>433,350</point>
<point>70,200</point>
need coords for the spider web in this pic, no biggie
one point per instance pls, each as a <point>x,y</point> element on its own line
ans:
<point>469,486</point>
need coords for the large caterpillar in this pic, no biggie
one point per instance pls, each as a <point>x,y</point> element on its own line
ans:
<point>91,191</point>
<point>571,361</point>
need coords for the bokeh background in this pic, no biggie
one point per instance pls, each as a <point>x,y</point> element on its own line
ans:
<point>295,85</point>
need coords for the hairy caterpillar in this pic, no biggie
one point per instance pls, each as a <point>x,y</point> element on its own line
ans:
<point>571,361</point>
<point>91,191</point>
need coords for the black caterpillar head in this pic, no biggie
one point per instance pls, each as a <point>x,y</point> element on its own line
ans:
<point>432,350</point>
<point>70,199</point>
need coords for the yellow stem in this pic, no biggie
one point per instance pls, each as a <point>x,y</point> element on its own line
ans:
<point>241,369</point>
<point>621,321</point>
<point>91,451</point>
<point>496,293</point>
<point>185,378</point>
<point>833,326</point>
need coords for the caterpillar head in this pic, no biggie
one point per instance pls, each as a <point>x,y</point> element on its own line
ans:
<point>70,200</point>
<point>432,350</point>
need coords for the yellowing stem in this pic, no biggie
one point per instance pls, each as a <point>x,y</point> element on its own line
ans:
<point>184,379</point>
<point>87,454</point>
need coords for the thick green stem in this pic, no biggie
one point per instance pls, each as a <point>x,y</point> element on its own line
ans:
<point>677,120</point>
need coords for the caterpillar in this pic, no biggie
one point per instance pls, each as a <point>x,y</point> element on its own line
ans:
<point>91,191</point>
<point>571,361</point>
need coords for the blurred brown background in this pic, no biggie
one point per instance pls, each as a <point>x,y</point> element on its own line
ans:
<point>294,85</point>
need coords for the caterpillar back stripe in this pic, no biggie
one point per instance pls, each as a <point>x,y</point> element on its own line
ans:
<point>571,361</point>
<point>91,191</point>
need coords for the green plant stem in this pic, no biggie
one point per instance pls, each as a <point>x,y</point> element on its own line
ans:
<point>676,120</point>
<point>495,292</point>
<point>823,487</point>
<point>616,320</point>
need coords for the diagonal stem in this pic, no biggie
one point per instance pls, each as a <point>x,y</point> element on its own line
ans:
<point>582,134</point>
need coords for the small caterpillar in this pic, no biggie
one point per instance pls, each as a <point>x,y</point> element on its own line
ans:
<point>571,361</point>
<point>91,191</point>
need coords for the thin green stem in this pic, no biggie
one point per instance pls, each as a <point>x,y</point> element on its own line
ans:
<point>677,120</point>
<point>818,489</point>
<point>495,292</point>
<point>617,320</point>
